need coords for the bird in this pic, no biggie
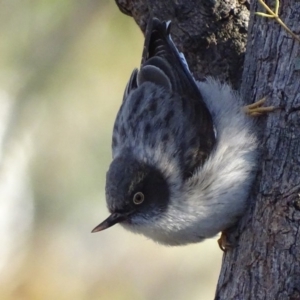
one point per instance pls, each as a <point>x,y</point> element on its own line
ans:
<point>184,152</point>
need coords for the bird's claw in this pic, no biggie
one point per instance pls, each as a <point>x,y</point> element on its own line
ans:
<point>255,109</point>
<point>224,242</point>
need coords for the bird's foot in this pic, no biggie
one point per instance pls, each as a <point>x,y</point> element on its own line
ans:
<point>255,109</point>
<point>225,243</point>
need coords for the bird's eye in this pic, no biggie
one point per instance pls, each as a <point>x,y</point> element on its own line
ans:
<point>138,198</point>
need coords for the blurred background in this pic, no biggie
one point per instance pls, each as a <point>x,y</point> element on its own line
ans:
<point>63,68</point>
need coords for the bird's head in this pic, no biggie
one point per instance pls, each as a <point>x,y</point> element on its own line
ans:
<point>136,194</point>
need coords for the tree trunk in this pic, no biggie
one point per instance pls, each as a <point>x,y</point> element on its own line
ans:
<point>265,264</point>
<point>212,34</point>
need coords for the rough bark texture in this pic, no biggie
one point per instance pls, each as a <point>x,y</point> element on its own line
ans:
<point>266,262</point>
<point>212,33</point>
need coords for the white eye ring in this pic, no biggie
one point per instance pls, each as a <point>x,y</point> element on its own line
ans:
<point>138,198</point>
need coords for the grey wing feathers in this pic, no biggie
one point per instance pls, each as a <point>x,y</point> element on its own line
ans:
<point>164,66</point>
<point>160,51</point>
<point>152,73</point>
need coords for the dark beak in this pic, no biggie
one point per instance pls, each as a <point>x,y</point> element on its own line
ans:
<point>110,221</point>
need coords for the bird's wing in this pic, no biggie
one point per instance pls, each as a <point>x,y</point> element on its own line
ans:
<point>160,53</point>
<point>163,65</point>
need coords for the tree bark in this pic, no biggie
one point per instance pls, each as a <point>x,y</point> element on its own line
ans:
<point>212,34</point>
<point>265,264</point>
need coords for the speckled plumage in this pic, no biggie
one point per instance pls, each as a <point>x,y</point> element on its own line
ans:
<point>186,146</point>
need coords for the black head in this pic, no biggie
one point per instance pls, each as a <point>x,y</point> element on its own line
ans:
<point>135,193</point>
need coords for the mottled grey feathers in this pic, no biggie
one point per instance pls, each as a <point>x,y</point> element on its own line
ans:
<point>162,105</point>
